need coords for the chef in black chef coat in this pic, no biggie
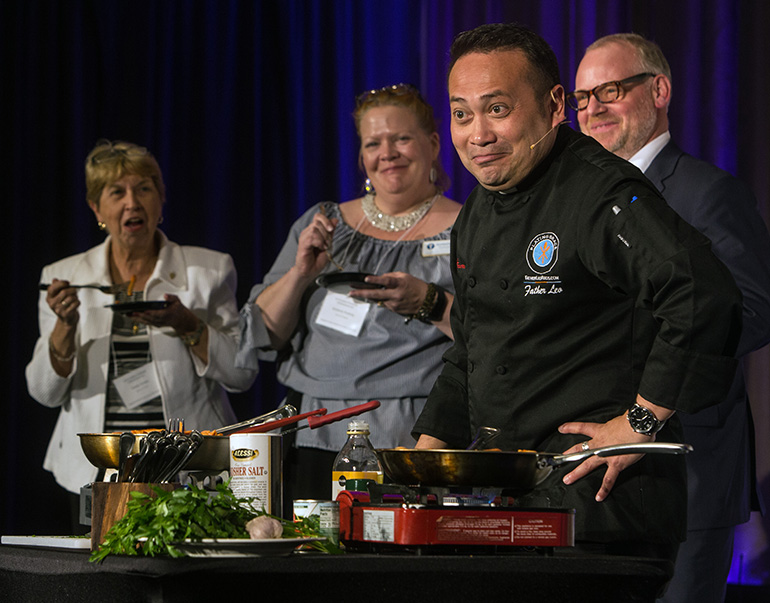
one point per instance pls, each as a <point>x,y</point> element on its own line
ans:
<point>587,312</point>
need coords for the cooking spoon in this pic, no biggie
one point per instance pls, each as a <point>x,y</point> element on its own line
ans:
<point>148,448</point>
<point>168,459</point>
<point>194,442</point>
<point>125,447</point>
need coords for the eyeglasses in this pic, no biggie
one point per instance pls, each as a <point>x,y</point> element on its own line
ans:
<point>394,90</point>
<point>112,150</point>
<point>608,92</point>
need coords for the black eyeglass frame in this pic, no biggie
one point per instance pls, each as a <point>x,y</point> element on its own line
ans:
<point>620,86</point>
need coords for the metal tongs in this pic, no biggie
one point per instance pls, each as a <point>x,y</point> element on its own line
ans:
<point>315,419</point>
<point>483,437</point>
<point>283,412</point>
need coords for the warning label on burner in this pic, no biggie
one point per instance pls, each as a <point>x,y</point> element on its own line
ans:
<point>474,529</point>
<point>492,528</point>
<point>534,529</point>
<point>379,526</point>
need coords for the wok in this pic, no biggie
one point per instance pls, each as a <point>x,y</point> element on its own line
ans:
<point>520,470</point>
<point>103,451</point>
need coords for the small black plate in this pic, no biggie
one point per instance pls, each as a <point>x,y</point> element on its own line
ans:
<point>142,306</point>
<point>344,282</point>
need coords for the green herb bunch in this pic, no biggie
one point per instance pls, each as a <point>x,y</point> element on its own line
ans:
<point>309,527</point>
<point>194,513</point>
<point>172,517</point>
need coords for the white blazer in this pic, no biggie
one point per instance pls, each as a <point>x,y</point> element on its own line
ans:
<point>205,282</point>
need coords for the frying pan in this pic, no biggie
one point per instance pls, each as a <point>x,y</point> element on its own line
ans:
<point>521,470</point>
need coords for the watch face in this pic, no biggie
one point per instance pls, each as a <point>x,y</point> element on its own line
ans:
<point>641,419</point>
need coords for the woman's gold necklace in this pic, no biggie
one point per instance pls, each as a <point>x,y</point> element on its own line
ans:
<point>383,221</point>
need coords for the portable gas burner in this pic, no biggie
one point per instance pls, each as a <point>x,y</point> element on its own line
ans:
<point>416,519</point>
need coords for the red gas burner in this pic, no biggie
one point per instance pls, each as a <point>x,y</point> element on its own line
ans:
<point>399,518</point>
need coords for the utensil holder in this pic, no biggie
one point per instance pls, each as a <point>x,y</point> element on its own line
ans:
<point>108,504</point>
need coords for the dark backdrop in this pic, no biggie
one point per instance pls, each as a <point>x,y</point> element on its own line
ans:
<point>247,106</point>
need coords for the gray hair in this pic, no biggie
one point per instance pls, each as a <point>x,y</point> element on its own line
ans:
<point>651,57</point>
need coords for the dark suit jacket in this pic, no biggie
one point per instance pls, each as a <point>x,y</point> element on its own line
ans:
<point>720,471</point>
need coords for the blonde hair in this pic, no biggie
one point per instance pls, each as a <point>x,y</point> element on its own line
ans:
<point>109,161</point>
<point>408,97</point>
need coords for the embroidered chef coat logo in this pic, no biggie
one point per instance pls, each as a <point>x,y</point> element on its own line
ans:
<point>543,252</point>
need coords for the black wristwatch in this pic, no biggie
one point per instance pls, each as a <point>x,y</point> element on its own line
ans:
<point>643,420</point>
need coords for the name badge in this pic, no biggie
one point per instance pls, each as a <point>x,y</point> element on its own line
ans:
<point>138,386</point>
<point>433,248</point>
<point>342,313</point>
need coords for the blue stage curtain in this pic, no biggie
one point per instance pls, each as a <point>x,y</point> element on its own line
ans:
<point>247,106</point>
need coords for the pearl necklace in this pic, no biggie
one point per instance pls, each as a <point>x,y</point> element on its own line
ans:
<point>383,221</point>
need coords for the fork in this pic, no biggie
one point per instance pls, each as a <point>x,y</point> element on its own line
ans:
<point>329,248</point>
<point>109,289</point>
<point>176,424</point>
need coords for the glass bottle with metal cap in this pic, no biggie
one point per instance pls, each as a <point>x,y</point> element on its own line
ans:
<point>357,463</point>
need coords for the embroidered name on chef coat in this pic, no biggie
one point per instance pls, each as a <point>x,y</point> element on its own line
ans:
<point>542,255</point>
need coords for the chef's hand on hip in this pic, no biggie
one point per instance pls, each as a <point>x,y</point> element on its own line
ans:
<point>613,432</point>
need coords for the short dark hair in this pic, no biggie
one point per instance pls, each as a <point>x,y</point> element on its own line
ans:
<point>494,37</point>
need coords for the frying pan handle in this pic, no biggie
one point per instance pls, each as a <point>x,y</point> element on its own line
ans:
<point>314,422</point>
<point>641,448</point>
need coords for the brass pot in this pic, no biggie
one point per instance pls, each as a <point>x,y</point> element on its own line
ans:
<point>102,450</point>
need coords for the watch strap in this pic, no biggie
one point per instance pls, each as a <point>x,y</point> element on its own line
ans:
<point>647,423</point>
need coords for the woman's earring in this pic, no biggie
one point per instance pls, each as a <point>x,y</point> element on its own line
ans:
<point>432,176</point>
<point>369,187</point>
<point>160,221</point>
<point>101,225</point>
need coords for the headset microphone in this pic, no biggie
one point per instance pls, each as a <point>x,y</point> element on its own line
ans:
<point>563,121</point>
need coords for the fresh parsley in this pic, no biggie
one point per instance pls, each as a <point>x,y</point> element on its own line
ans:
<point>152,525</point>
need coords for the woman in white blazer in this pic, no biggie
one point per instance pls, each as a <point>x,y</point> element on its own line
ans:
<point>110,370</point>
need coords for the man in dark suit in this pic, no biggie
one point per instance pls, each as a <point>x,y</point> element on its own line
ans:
<point>623,89</point>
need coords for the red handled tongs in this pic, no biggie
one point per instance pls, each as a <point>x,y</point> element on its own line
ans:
<point>315,418</point>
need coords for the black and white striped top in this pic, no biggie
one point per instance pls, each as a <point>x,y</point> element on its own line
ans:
<point>130,349</point>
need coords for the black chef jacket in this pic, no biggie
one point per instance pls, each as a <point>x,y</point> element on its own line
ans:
<point>575,291</point>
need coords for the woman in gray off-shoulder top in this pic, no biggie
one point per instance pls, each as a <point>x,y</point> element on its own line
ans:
<point>337,345</point>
